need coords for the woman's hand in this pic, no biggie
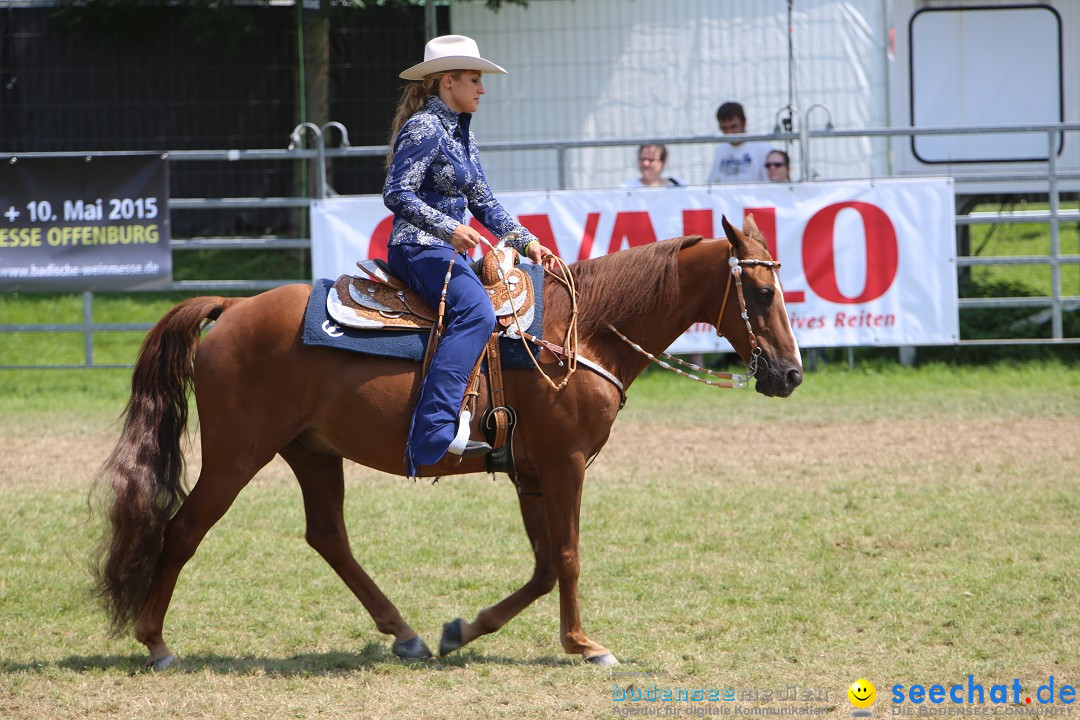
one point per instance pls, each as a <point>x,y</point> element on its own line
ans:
<point>465,238</point>
<point>542,255</point>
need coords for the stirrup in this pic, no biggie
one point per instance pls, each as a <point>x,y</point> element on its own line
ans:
<point>475,448</point>
<point>501,459</point>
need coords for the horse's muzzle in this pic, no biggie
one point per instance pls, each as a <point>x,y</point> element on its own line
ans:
<point>777,380</point>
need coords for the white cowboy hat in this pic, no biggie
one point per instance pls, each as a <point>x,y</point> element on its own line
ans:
<point>450,52</point>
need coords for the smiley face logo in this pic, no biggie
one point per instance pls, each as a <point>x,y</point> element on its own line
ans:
<point>862,693</point>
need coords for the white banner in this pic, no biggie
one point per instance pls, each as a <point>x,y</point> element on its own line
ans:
<point>864,262</point>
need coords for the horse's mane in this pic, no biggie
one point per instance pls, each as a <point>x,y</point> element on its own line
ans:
<point>622,286</point>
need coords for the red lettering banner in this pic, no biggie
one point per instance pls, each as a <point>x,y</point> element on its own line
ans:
<point>864,263</point>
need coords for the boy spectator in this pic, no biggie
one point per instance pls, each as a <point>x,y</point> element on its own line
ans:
<point>740,162</point>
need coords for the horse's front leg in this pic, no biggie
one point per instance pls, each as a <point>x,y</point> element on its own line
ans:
<point>562,484</point>
<point>458,633</point>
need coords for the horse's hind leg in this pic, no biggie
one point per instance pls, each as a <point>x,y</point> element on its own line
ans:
<point>323,484</point>
<point>458,633</point>
<point>211,497</point>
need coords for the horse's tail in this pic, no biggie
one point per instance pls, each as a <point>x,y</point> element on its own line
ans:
<point>143,478</point>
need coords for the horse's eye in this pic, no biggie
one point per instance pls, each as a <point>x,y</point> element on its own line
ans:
<point>765,294</point>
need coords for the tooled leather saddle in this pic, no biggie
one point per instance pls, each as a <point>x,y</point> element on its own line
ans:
<point>381,301</point>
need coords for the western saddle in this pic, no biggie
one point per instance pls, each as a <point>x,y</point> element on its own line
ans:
<point>381,301</point>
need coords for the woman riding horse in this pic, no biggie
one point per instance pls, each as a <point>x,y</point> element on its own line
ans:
<point>433,173</point>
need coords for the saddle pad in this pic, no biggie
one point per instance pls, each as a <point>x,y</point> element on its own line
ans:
<point>320,330</point>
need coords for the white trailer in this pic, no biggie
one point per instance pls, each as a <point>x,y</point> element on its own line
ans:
<point>997,63</point>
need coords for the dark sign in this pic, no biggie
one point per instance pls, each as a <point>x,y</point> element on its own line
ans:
<point>84,223</point>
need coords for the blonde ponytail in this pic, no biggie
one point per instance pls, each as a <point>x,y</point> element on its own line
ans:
<point>413,97</point>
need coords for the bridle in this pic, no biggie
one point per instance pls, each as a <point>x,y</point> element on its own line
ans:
<point>736,266</point>
<point>727,380</point>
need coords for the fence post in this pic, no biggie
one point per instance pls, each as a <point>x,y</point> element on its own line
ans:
<point>320,172</point>
<point>295,141</point>
<point>804,137</point>
<point>324,170</point>
<point>88,328</point>
<point>804,148</point>
<point>1055,238</point>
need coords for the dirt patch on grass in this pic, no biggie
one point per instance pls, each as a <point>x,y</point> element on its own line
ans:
<point>800,453</point>
<point>763,454</point>
<point>69,458</point>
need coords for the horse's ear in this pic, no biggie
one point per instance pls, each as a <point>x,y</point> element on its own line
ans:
<point>749,227</point>
<point>736,238</point>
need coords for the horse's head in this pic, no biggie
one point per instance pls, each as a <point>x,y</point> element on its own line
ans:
<point>768,346</point>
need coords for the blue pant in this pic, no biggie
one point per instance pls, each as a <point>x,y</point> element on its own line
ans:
<point>469,321</point>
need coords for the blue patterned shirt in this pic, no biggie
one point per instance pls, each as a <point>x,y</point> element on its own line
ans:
<point>435,174</point>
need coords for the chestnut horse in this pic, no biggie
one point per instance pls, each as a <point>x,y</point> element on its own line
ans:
<point>261,392</point>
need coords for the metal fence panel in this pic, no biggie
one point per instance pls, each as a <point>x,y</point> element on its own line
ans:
<point>1049,310</point>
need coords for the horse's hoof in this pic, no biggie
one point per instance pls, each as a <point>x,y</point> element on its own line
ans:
<point>604,660</point>
<point>162,663</point>
<point>411,649</point>
<point>451,637</point>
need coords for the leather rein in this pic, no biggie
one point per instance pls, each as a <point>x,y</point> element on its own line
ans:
<point>721,380</point>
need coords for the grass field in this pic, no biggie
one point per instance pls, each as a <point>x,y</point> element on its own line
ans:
<point>903,525</point>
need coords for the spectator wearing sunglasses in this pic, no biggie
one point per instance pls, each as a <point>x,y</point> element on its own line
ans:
<point>778,166</point>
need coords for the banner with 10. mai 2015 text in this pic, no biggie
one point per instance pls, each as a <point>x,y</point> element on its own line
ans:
<point>864,263</point>
<point>84,222</point>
